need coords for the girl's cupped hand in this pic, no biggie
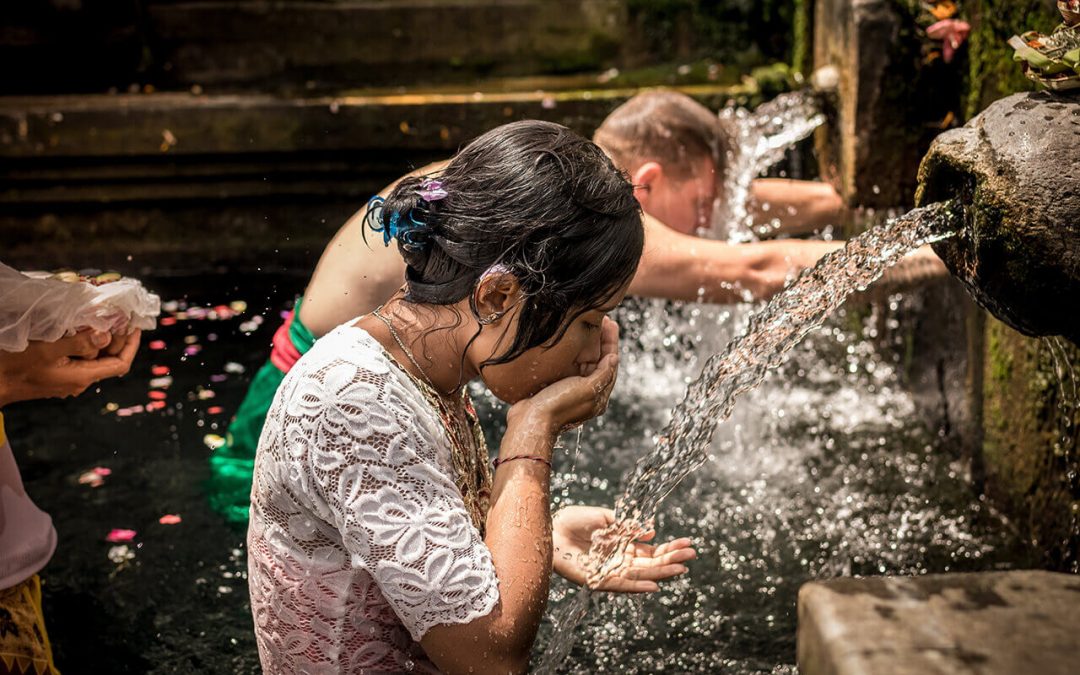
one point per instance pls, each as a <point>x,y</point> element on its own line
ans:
<point>643,564</point>
<point>575,399</point>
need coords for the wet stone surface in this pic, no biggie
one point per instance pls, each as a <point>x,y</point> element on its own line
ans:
<point>987,623</point>
<point>1014,167</point>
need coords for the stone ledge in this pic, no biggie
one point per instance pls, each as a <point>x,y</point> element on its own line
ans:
<point>120,149</point>
<point>224,178</point>
<point>988,623</point>
<point>255,44</point>
<point>134,124</point>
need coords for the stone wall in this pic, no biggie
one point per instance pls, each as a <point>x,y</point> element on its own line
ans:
<point>1029,459</point>
<point>1030,465</point>
<point>249,130</point>
<point>66,46</point>
<point>1001,392</point>
<point>184,180</point>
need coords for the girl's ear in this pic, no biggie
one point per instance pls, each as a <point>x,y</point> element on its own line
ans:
<point>645,178</point>
<point>496,294</point>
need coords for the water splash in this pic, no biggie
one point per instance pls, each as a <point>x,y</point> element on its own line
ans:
<point>759,140</point>
<point>771,334</point>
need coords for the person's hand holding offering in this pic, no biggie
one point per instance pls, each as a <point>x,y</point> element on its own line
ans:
<point>66,367</point>
<point>642,565</point>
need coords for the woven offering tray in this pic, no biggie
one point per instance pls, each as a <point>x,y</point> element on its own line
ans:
<point>1052,60</point>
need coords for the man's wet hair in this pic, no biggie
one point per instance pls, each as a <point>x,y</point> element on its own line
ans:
<point>666,127</point>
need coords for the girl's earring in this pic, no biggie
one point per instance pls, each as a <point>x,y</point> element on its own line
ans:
<point>490,319</point>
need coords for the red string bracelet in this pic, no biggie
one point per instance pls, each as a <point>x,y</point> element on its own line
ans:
<point>496,462</point>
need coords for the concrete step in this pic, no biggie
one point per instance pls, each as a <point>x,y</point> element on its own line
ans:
<point>987,623</point>
<point>182,173</point>
<point>299,44</point>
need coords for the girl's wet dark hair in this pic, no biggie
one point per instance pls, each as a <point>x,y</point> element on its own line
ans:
<point>536,198</point>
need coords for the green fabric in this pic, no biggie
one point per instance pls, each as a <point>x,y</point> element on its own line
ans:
<point>231,466</point>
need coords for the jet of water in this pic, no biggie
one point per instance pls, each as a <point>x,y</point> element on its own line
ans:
<point>759,140</point>
<point>709,400</point>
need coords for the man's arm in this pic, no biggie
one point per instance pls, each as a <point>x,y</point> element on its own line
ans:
<point>681,267</point>
<point>801,206</point>
<point>354,276</point>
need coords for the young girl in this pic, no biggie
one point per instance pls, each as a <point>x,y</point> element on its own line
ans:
<point>380,540</point>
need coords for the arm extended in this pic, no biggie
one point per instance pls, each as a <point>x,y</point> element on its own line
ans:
<point>681,267</point>
<point>801,206</point>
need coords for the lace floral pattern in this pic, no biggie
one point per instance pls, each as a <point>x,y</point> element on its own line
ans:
<point>359,539</point>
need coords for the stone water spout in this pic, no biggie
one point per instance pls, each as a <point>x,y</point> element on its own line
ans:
<point>1016,170</point>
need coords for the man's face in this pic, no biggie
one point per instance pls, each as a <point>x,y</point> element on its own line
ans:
<point>685,205</point>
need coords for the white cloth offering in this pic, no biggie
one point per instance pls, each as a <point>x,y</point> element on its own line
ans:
<point>35,306</point>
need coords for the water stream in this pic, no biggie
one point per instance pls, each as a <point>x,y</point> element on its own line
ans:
<point>771,334</point>
<point>759,139</point>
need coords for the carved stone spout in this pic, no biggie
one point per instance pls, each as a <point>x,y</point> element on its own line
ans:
<point>1016,170</point>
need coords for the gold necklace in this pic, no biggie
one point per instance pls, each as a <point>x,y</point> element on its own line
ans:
<point>377,313</point>
<point>468,449</point>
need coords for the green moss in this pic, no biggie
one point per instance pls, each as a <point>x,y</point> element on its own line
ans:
<point>773,79</point>
<point>1028,450</point>
<point>992,72</point>
<point>802,40</point>
<point>1000,361</point>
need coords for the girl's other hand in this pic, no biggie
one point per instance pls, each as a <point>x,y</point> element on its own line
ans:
<point>573,400</point>
<point>643,564</point>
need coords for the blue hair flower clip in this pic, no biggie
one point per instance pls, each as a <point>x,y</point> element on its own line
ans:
<point>410,233</point>
<point>373,218</point>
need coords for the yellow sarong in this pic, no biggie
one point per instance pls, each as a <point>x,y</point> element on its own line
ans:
<point>24,644</point>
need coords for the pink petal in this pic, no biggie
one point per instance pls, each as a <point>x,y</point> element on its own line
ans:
<point>117,535</point>
<point>92,479</point>
<point>169,519</point>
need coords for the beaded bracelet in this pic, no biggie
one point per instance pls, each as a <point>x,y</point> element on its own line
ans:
<point>495,463</point>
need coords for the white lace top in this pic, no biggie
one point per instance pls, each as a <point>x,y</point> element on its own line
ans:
<point>359,540</point>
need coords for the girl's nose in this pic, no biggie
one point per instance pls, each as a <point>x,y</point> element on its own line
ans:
<point>591,353</point>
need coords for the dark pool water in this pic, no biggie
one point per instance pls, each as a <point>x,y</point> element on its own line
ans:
<point>826,470</point>
<point>180,604</point>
